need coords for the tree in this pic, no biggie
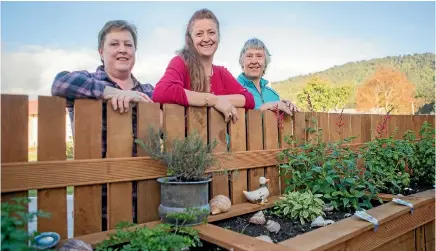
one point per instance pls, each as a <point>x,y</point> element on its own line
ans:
<point>386,89</point>
<point>341,96</point>
<point>323,95</point>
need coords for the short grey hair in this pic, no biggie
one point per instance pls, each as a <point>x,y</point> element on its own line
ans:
<point>255,43</point>
<point>117,25</point>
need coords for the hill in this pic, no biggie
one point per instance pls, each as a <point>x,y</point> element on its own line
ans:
<point>419,69</point>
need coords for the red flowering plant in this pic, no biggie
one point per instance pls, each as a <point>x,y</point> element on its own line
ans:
<point>388,159</point>
<point>327,168</point>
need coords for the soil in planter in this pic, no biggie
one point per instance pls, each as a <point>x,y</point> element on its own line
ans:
<point>288,228</point>
<point>412,189</point>
<point>416,188</point>
<point>207,246</point>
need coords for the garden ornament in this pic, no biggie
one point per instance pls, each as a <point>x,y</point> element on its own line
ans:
<point>220,204</point>
<point>259,195</point>
<point>46,240</point>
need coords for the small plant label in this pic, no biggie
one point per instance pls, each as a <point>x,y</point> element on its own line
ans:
<point>405,203</point>
<point>365,216</point>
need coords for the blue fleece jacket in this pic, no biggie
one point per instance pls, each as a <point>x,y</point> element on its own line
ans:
<point>266,93</point>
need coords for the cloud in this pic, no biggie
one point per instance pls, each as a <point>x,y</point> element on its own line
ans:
<point>31,70</point>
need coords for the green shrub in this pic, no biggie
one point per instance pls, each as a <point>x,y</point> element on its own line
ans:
<point>423,171</point>
<point>388,161</point>
<point>163,237</point>
<point>188,159</point>
<point>329,169</point>
<point>14,217</point>
<point>300,205</point>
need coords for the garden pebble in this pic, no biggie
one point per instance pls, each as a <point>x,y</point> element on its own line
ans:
<point>273,226</point>
<point>258,218</point>
<point>320,222</point>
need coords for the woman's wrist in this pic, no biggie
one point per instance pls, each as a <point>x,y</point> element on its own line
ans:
<point>210,99</point>
<point>109,92</point>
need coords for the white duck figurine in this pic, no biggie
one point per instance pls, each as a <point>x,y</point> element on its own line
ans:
<point>259,195</point>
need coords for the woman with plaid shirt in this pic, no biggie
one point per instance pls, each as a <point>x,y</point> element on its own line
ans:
<point>113,82</point>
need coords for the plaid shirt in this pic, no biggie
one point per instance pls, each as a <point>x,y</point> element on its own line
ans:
<point>82,84</point>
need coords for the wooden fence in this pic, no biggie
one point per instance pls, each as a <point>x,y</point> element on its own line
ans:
<point>254,144</point>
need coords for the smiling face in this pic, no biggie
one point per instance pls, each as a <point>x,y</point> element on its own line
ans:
<point>204,35</point>
<point>118,52</point>
<point>254,63</point>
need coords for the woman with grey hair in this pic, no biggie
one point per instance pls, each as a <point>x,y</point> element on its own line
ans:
<point>254,60</point>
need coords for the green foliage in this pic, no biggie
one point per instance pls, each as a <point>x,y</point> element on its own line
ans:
<point>323,95</point>
<point>388,160</point>
<point>300,205</point>
<point>189,215</point>
<point>163,237</point>
<point>419,69</point>
<point>14,217</point>
<point>423,171</point>
<point>188,158</point>
<point>329,169</point>
<point>70,149</point>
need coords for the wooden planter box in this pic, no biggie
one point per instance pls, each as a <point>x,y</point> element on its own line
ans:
<point>398,230</point>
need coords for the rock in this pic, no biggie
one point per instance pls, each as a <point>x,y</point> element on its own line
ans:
<point>75,245</point>
<point>320,222</point>
<point>265,238</point>
<point>347,215</point>
<point>258,218</point>
<point>220,204</point>
<point>328,208</point>
<point>273,226</point>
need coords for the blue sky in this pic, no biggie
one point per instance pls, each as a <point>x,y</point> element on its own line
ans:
<point>303,37</point>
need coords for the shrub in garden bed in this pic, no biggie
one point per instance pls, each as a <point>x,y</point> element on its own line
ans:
<point>303,206</point>
<point>389,161</point>
<point>329,169</point>
<point>163,237</point>
<point>402,166</point>
<point>423,172</point>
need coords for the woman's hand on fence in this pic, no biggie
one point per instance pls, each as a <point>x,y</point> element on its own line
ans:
<point>290,106</point>
<point>121,99</point>
<point>224,106</point>
<point>285,106</point>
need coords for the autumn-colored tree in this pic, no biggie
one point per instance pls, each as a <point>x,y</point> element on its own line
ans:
<point>323,95</point>
<point>386,89</point>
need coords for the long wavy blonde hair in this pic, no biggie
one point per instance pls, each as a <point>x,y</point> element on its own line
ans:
<point>190,54</point>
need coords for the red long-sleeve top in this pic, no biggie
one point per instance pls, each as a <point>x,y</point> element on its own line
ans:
<point>170,88</point>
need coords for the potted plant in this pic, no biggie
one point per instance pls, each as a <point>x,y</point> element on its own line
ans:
<point>186,187</point>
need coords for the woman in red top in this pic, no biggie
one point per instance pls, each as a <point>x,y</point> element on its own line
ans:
<point>192,80</point>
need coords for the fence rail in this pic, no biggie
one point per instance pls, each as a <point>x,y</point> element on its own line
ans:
<point>254,143</point>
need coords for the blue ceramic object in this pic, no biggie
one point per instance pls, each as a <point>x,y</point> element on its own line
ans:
<point>46,240</point>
